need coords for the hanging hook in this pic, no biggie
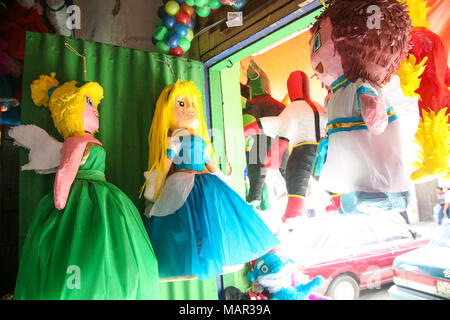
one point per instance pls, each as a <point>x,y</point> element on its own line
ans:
<point>68,46</point>
<point>324,4</point>
<point>230,64</point>
<point>170,67</point>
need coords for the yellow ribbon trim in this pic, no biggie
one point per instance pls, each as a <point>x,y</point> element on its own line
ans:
<point>353,124</point>
<point>345,125</point>
<point>339,84</point>
<point>305,143</point>
<point>295,196</point>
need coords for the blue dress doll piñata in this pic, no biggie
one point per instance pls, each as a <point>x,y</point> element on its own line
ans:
<point>197,224</point>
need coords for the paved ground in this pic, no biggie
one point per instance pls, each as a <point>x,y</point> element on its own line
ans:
<point>376,294</point>
<point>427,228</point>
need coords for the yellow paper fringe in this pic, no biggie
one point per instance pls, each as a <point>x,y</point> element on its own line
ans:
<point>67,106</point>
<point>418,10</point>
<point>433,137</point>
<point>66,103</point>
<point>410,73</point>
<point>40,87</point>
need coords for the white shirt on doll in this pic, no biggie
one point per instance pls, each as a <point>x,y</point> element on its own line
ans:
<point>360,161</point>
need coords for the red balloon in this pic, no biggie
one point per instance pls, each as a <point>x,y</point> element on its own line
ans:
<point>225,1</point>
<point>183,17</point>
<point>177,52</point>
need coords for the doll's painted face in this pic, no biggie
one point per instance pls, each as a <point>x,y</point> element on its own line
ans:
<point>326,61</point>
<point>91,122</point>
<point>184,113</point>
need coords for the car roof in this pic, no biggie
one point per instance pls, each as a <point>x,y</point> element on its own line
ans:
<point>336,220</point>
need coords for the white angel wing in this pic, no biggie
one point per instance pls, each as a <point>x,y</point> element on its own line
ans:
<point>45,151</point>
<point>176,190</point>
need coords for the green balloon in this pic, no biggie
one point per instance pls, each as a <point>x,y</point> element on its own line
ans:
<point>203,11</point>
<point>190,35</point>
<point>161,33</point>
<point>184,44</point>
<point>159,23</point>
<point>201,3</point>
<point>190,2</point>
<point>214,4</point>
<point>162,47</point>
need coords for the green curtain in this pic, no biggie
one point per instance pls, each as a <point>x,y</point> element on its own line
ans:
<point>132,80</point>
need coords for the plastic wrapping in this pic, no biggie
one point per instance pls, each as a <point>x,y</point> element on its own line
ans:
<point>358,160</point>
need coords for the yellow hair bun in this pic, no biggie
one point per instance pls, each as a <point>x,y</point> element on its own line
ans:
<point>40,88</point>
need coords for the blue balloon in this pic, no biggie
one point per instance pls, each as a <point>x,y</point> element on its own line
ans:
<point>238,4</point>
<point>172,40</point>
<point>169,21</point>
<point>162,12</point>
<point>180,1</point>
<point>191,24</point>
<point>181,30</point>
<point>165,1</point>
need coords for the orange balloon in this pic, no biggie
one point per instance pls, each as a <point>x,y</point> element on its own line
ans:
<point>187,8</point>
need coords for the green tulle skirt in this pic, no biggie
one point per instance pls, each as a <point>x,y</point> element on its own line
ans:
<point>95,249</point>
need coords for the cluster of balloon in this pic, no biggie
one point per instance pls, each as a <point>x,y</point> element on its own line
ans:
<point>174,30</point>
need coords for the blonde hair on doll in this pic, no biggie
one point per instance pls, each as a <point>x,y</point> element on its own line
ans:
<point>163,124</point>
<point>65,102</point>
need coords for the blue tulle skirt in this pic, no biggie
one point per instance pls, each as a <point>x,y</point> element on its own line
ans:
<point>215,228</point>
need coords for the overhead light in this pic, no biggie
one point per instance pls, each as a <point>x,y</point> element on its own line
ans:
<point>304,3</point>
<point>280,42</point>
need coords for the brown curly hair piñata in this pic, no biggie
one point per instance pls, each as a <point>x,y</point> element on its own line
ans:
<point>372,53</point>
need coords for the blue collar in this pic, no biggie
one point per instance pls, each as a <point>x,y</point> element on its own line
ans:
<point>341,82</point>
<point>50,92</point>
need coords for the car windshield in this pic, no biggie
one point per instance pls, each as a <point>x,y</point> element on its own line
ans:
<point>443,239</point>
<point>320,239</point>
<point>311,235</point>
<point>389,230</point>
